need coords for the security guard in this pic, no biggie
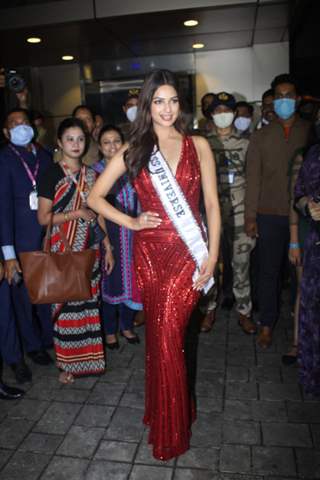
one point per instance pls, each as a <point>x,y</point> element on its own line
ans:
<point>230,154</point>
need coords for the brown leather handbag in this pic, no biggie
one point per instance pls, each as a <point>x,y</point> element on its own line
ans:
<point>57,277</point>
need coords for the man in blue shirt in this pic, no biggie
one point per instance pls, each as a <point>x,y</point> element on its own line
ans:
<point>22,162</point>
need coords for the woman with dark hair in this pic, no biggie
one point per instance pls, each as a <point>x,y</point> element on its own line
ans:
<point>172,261</point>
<point>119,291</point>
<point>307,197</point>
<point>299,228</point>
<point>63,192</point>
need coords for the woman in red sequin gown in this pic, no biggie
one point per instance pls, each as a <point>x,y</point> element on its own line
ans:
<point>163,263</point>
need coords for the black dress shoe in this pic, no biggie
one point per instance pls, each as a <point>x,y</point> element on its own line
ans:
<point>132,340</point>
<point>10,393</point>
<point>40,357</point>
<point>255,306</point>
<point>113,345</point>
<point>290,358</point>
<point>227,303</point>
<point>21,372</point>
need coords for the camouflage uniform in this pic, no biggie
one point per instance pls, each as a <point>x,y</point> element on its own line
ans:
<point>230,155</point>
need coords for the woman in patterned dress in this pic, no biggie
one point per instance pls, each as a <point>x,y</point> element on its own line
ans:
<point>63,191</point>
<point>119,291</point>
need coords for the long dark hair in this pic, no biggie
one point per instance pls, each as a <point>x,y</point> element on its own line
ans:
<point>143,137</point>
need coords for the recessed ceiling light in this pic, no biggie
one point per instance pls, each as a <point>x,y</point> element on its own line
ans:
<point>34,40</point>
<point>67,58</point>
<point>198,45</point>
<point>190,23</point>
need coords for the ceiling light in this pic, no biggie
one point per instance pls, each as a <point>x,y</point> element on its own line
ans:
<point>34,40</point>
<point>190,23</point>
<point>198,45</point>
<point>67,58</point>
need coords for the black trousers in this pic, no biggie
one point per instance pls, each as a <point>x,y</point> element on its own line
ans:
<point>227,277</point>
<point>273,243</point>
<point>10,348</point>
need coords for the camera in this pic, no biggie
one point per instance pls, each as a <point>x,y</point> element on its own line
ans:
<point>14,81</point>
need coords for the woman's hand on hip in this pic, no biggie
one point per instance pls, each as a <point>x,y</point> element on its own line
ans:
<point>146,220</point>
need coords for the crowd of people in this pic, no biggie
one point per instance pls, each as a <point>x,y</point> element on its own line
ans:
<point>178,220</point>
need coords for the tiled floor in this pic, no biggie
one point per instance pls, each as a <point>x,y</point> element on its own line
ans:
<point>253,421</point>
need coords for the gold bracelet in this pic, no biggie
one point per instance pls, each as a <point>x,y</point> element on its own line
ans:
<point>66,216</point>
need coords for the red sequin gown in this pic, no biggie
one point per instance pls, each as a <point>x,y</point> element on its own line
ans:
<point>164,273</point>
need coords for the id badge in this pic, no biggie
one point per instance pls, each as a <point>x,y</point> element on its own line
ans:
<point>231,178</point>
<point>33,200</point>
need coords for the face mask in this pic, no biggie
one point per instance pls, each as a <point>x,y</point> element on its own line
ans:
<point>132,113</point>
<point>242,123</point>
<point>223,120</point>
<point>284,107</point>
<point>21,135</point>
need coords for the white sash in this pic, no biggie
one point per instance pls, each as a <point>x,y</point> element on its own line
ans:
<point>179,211</point>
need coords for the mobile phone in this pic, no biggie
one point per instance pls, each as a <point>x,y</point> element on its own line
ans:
<point>16,279</point>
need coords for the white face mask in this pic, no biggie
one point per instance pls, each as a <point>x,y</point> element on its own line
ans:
<point>223,120</point>
<point>242,123</point>
<point>132,113</point>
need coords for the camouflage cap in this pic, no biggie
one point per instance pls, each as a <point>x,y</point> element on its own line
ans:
<point>133,93</point>
<point>223,98</point>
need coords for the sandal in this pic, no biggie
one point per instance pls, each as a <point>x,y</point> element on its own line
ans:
<point>66,378</point>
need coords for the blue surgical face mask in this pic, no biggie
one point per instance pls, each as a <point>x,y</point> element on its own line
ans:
<point>284,107</point>
<point>242,123</point>
<point>21,135</point>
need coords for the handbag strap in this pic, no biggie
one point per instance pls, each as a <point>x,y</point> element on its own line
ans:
<point>47,238</point>
<point>64,240</point>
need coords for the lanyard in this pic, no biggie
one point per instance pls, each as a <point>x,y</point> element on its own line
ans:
<point>32,176</point>
<point>73,178</point>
